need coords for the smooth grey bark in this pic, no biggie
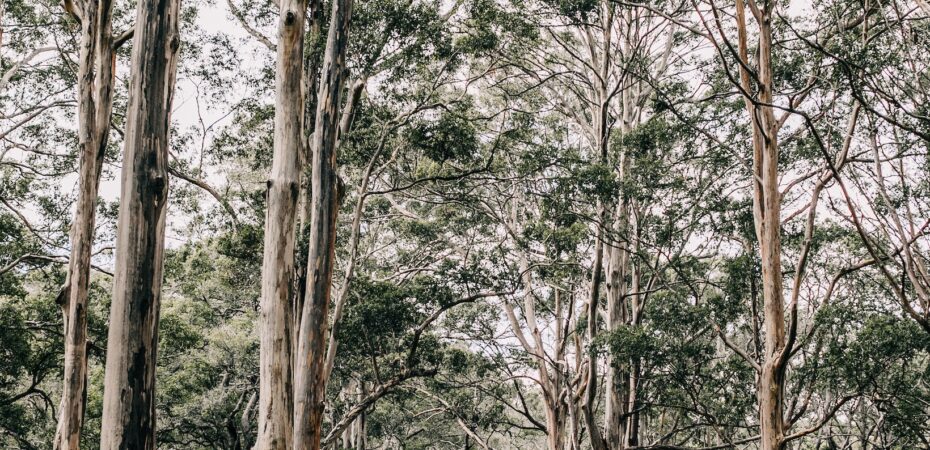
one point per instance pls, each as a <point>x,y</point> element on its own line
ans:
<point>129,382</point>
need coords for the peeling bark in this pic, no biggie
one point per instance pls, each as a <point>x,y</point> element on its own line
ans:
<point>324,203</point>
<point>129,382</point>
<point>767,218</point>
<point>275,426</point>
<point>95,104</point>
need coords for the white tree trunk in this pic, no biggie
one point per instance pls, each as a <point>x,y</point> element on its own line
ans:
<point>275,378</point>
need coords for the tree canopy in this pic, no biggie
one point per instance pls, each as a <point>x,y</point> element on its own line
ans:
<point>494,224</point>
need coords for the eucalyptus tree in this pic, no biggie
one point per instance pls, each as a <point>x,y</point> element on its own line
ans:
<point>310,356</point>
<point>766,216</point>
<point>789,110</point>
<point>129,387</point>
<point>396,33</point>
<point>596,66</point>
<point>95,88</point>
<point>536,219</point>
<point>275,427</point>
<point>47,68</point>
<point>882,64</point>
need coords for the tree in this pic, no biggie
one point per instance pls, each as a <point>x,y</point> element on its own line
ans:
<point>534,220</point>
<point>309,374</point>
<point>95,88</point>
<point>275,410</point>
<point>129,419</point>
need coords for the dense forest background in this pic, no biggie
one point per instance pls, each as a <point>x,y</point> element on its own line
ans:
<point>465,224</point>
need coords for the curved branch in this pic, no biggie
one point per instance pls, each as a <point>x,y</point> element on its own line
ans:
<point>216,195</point>
<point>360,407</point>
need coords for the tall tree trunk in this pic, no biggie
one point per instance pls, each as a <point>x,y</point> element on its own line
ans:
<point>275,411</point>
<point>95,103</point>
<point>771,388</point>
<point>601,127</point>
<point>557,406</point>
<point>635,319</point>
<point>617,270</point>
<point>767,218</point>
<point>129,382</point>
<point>311,72</point>
<point>597,440</point>
<point>632,427</point>
<point>311,345</point>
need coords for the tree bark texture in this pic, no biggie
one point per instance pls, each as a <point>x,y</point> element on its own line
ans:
<point>311,346</point>
<point>129,382</point>
<point>767,218</point>
<point>275,426</point>
<point>95,104</point>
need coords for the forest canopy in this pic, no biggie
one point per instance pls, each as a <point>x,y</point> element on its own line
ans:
<point>465,224</point>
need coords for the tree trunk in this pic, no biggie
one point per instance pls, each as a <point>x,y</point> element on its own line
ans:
<point>575,430</point>
<point>311,346</point>
<point>361,428</point>
<point>275,427</point>
<point>311,72</point>
<point>635,319</point>
<point>601,127</point>
<point>771,382</point>
<point>597,440</point>
<point>95,103</point>
<point>767,219</point>
<point>129,382</point>
<point>632,428</point>
<point>617,270</point>
<point>554,426</point>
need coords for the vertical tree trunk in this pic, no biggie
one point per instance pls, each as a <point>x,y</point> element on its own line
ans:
<point>311,72</point>
<point>771,389</point>
<point>554,426</point>
<point>361,430</point>
<point>767,218</point>
<point>635,319</point>
<point>597,440</point>
<point>94,90</point>
<point>601,127</point>
<point>311,346</point>
<point>772,379</point>
<point>556,405</point>
<point>574,408</point>
<point>129,383</point>
<point>617,269</point>
<point>575,430</point>
<point>275,427</point>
